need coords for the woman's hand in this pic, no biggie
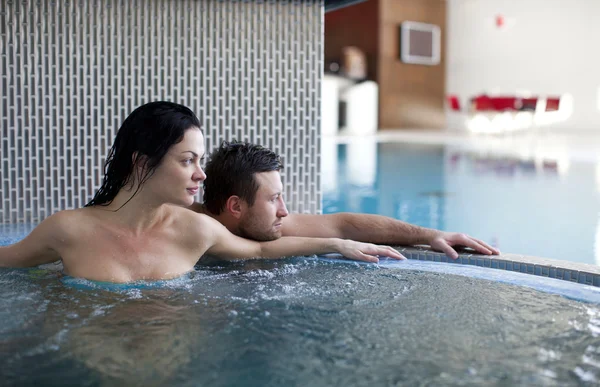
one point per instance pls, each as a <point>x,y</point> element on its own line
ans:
<point>366,252</point>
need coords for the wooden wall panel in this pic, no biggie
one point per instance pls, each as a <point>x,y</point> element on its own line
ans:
<point>411,96</point>
<point>356,25</point>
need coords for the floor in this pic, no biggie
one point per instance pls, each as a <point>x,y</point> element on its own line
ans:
<point>577,146</point>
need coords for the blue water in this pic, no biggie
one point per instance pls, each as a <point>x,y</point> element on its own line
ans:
<point>322,321</point>
<point>295,322</point>
<point>547,208</point>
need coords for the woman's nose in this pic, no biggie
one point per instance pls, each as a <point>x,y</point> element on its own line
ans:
<point>199,175</point>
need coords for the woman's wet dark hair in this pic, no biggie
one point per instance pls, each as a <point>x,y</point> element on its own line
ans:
<point>145,136</point>
<point>230,171</point>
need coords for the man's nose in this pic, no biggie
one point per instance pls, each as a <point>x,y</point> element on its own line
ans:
<point>282,211</point>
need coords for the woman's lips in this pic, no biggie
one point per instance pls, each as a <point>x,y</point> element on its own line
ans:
<point>193,191</point>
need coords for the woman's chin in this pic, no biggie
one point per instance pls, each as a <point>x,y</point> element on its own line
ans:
<point>183,202</point>
<point>189,201</point>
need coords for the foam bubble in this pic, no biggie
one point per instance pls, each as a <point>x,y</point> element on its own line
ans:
<point>584,376</point>
<point>546,355</point>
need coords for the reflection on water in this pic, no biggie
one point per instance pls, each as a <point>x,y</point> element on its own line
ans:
<point>545,206</point>
<point>302,321</point>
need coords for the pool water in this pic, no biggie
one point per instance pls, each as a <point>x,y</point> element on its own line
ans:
<point>322,321</point>
<point>547,207</point>
<point>297,322</point>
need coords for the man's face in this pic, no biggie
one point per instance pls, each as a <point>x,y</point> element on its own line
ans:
<point>262,221</point>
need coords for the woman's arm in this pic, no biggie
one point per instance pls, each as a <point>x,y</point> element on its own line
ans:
<point>220,242</point>
<point>36,248</point>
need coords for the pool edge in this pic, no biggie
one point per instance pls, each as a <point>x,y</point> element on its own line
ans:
<point>582,273</point>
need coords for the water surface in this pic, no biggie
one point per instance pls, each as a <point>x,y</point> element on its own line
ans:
<point>297,322</point>
<point>544,206</point>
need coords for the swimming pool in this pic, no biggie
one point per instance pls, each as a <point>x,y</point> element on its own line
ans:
<point>316,321</point>
<point>519,199</point>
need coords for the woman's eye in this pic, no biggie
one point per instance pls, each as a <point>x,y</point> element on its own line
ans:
<point>187,161</point>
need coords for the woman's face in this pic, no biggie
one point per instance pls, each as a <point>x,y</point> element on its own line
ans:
<point>178,177</point>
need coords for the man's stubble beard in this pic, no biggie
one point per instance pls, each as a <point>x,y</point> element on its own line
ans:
<point>249,231</point>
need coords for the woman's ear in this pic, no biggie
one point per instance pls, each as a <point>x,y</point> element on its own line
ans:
<point>138,168</point>
<point>138,160</point>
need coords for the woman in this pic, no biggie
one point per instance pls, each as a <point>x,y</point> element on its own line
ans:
<point>137,226</point>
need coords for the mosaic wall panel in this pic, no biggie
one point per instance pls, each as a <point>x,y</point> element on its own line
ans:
<point>71,71</point>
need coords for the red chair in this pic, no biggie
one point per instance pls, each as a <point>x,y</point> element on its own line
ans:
<point>552,104</point>
<point>453,102</point>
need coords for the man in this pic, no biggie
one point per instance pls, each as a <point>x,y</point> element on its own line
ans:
<point>243,191</point>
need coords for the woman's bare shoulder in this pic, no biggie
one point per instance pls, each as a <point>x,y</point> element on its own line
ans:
<point>197,207</point>
<point>193,226</point>
<point>73,222</point>
<point>191,220</point>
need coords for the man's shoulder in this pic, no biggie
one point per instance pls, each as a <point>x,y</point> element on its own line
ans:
<point>311,225</point>
<point>302,217</point>
<point>293,224</point>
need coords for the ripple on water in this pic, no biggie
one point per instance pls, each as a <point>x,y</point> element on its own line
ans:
<point>300,321</point>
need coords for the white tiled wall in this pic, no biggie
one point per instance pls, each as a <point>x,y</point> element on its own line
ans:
<point>71,71</point>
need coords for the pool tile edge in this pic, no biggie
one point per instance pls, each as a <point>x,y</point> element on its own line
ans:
<point>582,273</point>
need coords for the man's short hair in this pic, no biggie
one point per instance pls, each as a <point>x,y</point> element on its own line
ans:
<point>230,171</point>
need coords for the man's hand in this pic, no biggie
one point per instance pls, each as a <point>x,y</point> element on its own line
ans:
<point>366,252</point>
<point>444,241</point>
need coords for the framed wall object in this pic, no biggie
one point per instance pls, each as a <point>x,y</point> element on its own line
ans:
<point>420,43</point>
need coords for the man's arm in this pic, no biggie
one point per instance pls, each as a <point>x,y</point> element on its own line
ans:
<point>217,240</point>
<point>36,248</point>
<point>379,229</point>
